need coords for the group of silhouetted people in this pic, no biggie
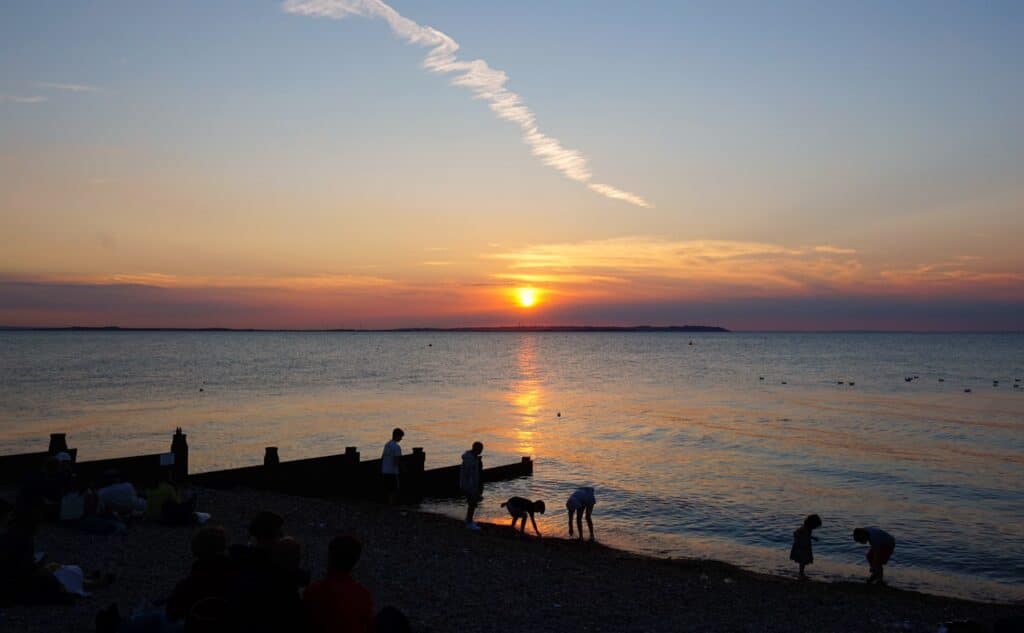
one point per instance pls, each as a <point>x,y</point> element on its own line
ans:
<point>261,587</point>
<point>581,503</point>
<point>471,484</point>
<point>880,543</point>
<point>55,493</point>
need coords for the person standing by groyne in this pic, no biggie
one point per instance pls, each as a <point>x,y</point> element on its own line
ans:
<point>471,481</point>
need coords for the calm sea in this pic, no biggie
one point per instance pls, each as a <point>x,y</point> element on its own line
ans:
<point>691,453</point>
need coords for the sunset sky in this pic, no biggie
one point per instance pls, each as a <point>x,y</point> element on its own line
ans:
<point>350,163</point>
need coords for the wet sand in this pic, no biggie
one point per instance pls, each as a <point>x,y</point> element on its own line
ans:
<point>446,578</point>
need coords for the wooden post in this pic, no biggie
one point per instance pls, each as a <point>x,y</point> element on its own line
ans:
<point>58,443</point>
<point>179,446</point>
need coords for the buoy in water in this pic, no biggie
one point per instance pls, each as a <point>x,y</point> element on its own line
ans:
<point>967,391</point>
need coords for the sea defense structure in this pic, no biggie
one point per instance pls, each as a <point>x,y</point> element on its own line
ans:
<point>340,475</point>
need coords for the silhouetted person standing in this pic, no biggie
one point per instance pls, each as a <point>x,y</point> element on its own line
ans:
<point>802,553</point>
<point>471,481</point>
<point>390,462</point>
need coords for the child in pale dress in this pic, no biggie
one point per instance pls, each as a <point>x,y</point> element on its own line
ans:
<point>802,553</point>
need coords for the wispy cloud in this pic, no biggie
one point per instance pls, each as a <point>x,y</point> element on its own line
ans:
<point>66,87</point>
<point>321,282</point>
<point>486,84</point>
<point>22,98</point>
<point>650,268</point>
<point>657,269</point>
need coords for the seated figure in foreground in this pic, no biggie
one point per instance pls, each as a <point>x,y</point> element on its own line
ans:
<point>339,604</point>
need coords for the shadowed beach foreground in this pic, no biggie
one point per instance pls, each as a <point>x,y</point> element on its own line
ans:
<point>446,578</point>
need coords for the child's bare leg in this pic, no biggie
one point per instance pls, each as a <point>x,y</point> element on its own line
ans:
<point>579,523</point>
<point>590,524</point>
<point>570,523</point>
<point>802,575</point>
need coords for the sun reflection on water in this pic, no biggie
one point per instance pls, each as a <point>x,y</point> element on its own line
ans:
<point>526,397</point>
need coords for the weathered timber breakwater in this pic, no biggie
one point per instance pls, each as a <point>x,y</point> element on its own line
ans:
<point>341,475</point>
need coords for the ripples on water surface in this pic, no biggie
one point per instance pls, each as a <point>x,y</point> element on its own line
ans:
<point>691,454</point>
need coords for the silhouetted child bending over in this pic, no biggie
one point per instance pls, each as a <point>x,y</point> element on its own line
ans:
<point>581,502</point>
<point>520,508</point>
<point>881,546</point>
<point>802,552</point>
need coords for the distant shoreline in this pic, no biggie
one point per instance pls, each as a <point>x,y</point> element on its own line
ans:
<point>510,328</point>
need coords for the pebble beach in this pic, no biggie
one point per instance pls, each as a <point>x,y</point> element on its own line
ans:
<point>447,578</point>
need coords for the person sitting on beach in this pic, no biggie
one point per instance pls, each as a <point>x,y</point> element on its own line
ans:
<point>212,573</point>
<point>26,577</point>
<point>520,508</point>
<point>265,592</point>
<point>164,504</point>
<point>119,497</point>
<point>801,552</point>
<point>265,529</point>
<point>581,501</point>
<point>471,481</point>
<point>389,464</point>
<point>881,545</point>
<point>337,603</point>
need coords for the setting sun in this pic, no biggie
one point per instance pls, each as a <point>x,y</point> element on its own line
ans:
<point>527,297</point>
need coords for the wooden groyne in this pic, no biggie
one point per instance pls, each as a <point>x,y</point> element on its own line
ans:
<point>341,475</point>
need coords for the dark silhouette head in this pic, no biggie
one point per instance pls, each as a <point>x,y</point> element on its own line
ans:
<point>343,553</point>
<point>860,535</point>
<point>812,522</point>
<point>266,528</point>
<point>209,541</point>
<point>397,434</point>
<point>478,447</point>
<point>538,506</point>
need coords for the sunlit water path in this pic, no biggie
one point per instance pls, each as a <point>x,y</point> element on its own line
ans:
<point>692,454</point>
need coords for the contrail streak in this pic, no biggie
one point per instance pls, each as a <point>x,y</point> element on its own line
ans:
<point>484,82</point>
